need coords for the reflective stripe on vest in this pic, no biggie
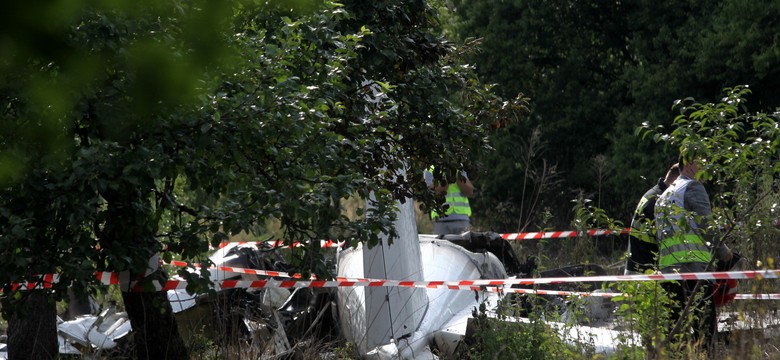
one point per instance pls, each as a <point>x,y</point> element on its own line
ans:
<point>458,203</point>
<point>677,250</point>
<point>674,248</point>
<point>670,210</point>
<point>641,207</point>
<point>637,222</point>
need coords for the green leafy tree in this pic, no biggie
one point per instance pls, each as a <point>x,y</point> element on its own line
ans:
<point>90,95</point>
<point>739,154</point>
<point>692,48</point>
<point>595,71</point>
<point>565,56</point>
<point>181,124</point>
<point>740,149</point>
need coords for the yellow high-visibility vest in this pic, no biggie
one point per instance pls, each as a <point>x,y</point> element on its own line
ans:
<point>678,250</point>
<point>678,246</point>
<point>458,203</point>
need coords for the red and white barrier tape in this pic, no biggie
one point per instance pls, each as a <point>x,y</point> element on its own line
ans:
<point>45,283</point>
<point>719,275</point>
<point>343,279</point>
<point>762,274</point>
<point>110,279</point>
<point>259,284</point>
<point>768,274</point>
<point>269,273</point>
<point>107,278</point>
<point>757,297</point>
<point>280,243</point>
<point>241,270</point>
<point>356,280</point>
<point>496,285</point>
<point>509,236</point>
<point>509,282</point>
<point>560,234</point>
<point>449,285</point>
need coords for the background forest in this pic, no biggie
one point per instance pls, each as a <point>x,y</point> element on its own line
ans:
<point>594,71</point>
<point>135,126</point>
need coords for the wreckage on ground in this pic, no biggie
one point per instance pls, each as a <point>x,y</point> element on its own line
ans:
<point>381,322</point>
<point>385,322</point>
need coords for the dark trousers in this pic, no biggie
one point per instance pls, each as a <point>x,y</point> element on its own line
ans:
<point>450,227</point>
<point>705,323</point>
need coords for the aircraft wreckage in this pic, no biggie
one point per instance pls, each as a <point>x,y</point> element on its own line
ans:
<point>382,322</point>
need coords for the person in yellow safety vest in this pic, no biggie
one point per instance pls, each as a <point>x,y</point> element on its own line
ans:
<point>457,216</point>
<point>685,245</point>
<point>642,245</point>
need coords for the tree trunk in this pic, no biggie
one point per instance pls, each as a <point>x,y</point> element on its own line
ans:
<point>155,333</point>
<point>130,228</point>
<point>32,330</point>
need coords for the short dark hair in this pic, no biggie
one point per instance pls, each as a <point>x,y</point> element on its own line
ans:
<point>681,160</point>
<point>674,170</point>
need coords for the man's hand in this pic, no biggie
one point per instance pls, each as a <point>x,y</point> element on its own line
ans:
<point>728,256</point>
<point>465,187</point>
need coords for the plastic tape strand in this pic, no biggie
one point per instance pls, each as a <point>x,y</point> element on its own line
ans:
<point>507,236</point>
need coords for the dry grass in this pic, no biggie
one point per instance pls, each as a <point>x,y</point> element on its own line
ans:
<point>553,253</point>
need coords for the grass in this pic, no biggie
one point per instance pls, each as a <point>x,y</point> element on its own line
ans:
<point>535,341</point>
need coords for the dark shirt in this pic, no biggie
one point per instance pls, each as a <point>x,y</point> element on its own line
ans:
<point>642,254</point>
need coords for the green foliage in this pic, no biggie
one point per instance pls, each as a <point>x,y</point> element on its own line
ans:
<point>588,216</point>
<point>329,110</point>
<point>566,57</point>
<point>740,151</point>
<point>185,123</point>
<point>346,351</point>
<point>586,248</point>
<point>512,338</point>
<point>86,123</point>
<point>514,197</point>
<point>643,309</point>
<point>594,71</point>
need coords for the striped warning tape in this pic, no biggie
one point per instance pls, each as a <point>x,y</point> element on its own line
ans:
<point>111,279</point>
<point>294,283</point>
<point>561,234</point>
<point>46,281</point>
<point>449,285</point>
<point>508,236</point>
<point>241,270</point>
<point>495,285</point>
<point>757,297</point>
<point>361,280</point>
<point>107,278</point>
<point>269,273</point>
<point>281,244</point>
<point>760,274</point>
<point>719,275</point>
<point>344,279</point>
